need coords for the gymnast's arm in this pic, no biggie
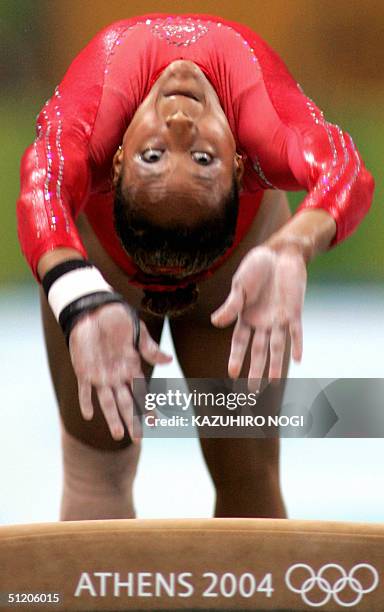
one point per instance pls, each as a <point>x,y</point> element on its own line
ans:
<point>293,148</point>
<point>55,184</point>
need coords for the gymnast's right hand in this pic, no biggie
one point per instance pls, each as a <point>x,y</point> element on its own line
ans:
<point>103,355</point>
<point>106,340</point>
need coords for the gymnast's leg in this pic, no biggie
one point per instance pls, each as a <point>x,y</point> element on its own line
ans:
<point>245,472</point>
<point>98,471</point>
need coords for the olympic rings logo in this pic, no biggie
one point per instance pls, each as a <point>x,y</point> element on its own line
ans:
<point>334,590</point>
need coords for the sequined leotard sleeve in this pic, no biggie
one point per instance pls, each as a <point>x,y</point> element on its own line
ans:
<point>295,147</point>
<point>56,169</point>
<point>287,142</point>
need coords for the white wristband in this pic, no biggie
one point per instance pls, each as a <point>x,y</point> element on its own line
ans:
<point>74,285</point>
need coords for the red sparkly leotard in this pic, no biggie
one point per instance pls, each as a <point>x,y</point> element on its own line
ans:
<point>286,141</point>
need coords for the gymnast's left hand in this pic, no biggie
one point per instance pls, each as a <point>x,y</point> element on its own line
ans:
<point>266,301</point>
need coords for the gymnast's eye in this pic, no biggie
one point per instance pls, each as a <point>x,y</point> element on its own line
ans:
<point>202,158</point>
<point>151,156</point>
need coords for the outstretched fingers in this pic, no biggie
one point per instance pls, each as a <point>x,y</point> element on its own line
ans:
<point>296,333</point>
<point>125,401</point>
<point>85,400</point>
<point>109,408</point>
<point>232,307</point>
<point>240,341</point>
<point>150,350</point>
<point>277,347</point>
<point>259,352</point>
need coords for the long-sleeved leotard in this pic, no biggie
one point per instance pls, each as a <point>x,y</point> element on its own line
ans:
<point>283,136</point>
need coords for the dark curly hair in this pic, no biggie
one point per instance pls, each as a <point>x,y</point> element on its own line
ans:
<point>193,249</point>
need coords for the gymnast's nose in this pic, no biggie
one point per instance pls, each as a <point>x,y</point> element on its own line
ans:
<point>181,124</point>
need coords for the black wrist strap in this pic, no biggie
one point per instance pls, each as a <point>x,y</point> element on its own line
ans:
<point>74,311</point>
<point>71,313</point>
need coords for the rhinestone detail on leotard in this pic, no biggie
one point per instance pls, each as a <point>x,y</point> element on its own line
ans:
<point>326,184</point>
<point>59,151</point>
<point>180,31</point>
<point>53,152</point>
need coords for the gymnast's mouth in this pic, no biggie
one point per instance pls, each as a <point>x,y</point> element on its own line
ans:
<point>184,93</point>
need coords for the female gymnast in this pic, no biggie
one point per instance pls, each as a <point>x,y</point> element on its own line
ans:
<point>162,158</point>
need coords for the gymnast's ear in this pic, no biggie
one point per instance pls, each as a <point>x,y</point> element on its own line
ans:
<point>117,165</point>
<point>239,169</point>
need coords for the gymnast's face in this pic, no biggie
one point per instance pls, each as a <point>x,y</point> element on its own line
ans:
<point>179,143</point>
